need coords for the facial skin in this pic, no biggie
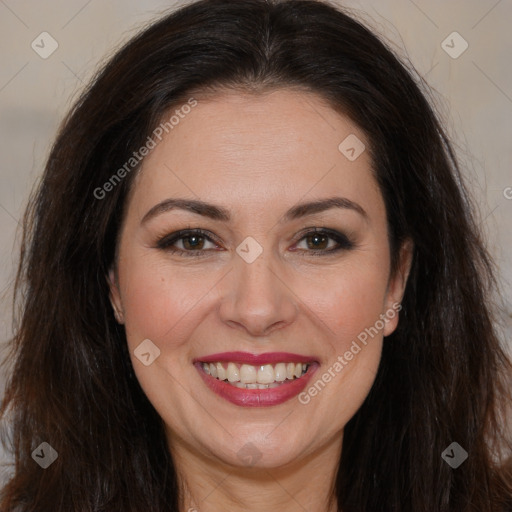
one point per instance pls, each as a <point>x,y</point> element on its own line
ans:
<point>256,156</point>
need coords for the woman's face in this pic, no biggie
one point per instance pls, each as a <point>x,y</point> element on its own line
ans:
<point>258,295</point>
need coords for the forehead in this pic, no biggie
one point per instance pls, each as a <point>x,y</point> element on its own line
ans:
<point>250,149</point>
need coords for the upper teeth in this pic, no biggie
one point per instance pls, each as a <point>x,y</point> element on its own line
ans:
<point>248,374</point>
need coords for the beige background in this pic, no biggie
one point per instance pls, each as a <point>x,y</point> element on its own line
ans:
<point>473,92</point>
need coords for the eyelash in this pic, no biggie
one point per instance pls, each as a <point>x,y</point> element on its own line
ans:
<point>166,243</point>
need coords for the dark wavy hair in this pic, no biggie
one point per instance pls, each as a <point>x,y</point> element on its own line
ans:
<point>443,375</point>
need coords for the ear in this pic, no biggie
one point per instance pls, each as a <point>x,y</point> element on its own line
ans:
<point>115,296</point>
<point>396,287</point>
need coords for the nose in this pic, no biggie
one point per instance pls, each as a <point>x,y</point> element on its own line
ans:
<point>256,297</point>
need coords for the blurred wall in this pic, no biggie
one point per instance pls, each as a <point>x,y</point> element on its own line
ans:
<point>473,88</point>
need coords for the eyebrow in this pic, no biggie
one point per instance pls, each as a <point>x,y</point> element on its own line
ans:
<point>222,214</point>
<point>190,205</point>
<point>303,209</point>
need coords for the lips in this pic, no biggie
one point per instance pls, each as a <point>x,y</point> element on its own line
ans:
<point>256,380</point>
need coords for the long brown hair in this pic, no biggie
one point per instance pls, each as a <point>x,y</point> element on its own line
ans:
<point>442,376</point>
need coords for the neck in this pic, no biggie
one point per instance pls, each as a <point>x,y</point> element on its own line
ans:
<point>211,485</point>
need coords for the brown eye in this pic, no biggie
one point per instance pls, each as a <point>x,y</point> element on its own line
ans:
<point>324,241</point>
<point>317,241</point>
<point>193,242</point>
<point>188,243</point>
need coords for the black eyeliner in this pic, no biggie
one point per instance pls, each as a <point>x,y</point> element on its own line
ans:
<point>165,242</point>
<point>344,243</point>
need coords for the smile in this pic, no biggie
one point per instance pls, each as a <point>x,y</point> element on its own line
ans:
<point>247,376</point>
<point>251,380</point>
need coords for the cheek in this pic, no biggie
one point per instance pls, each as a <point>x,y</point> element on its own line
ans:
<point>351,309</point>
<point>162,305</point>
<point>158,302</point>
<point>350,302</point>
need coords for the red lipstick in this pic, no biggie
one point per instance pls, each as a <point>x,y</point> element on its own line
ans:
<point>257,397</point>
<point>256,359</point>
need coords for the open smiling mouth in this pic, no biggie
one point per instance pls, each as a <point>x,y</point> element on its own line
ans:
<point>247,376</point>
<point>255,385</point>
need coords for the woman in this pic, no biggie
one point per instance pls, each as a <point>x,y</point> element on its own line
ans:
<point>251,279</point>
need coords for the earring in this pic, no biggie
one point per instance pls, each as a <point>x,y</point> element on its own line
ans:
<point>118,315</point>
